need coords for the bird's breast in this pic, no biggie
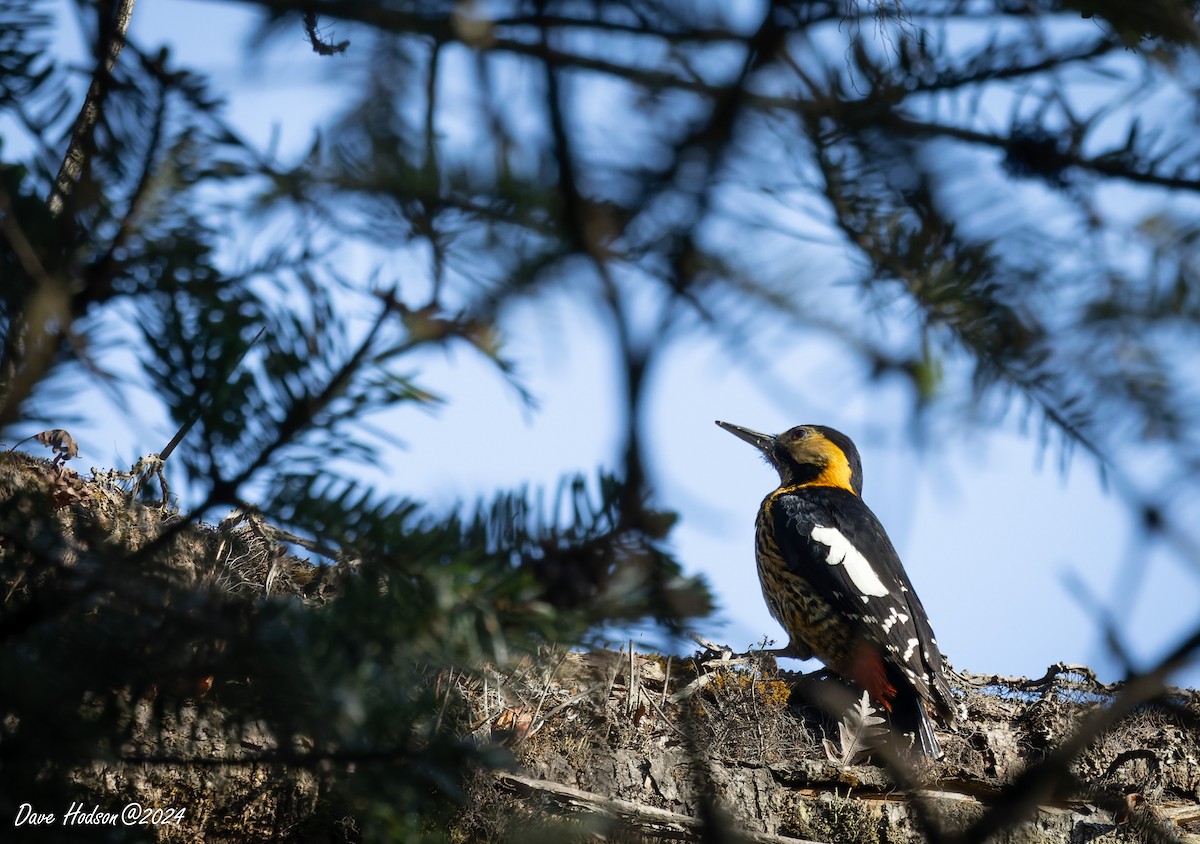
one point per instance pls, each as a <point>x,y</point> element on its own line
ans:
<point>793,602</point>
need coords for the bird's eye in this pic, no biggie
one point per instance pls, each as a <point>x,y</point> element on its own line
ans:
<point>799,434</point>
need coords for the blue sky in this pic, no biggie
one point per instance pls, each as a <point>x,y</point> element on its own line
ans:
<point>988,525</point>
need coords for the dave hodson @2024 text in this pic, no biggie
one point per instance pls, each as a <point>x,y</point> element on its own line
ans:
<point>132,814</point>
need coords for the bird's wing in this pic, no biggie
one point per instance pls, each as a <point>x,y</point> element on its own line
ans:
<point>830,538</point>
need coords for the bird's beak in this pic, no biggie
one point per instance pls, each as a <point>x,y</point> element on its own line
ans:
<point>763,442</point>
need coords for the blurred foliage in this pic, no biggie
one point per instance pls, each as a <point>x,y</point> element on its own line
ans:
<point>139,640</point>
<point>1009,188</point>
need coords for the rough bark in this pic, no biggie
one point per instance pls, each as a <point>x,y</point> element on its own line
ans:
<point>634,767</point>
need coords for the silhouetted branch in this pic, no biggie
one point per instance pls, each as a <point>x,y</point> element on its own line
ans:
<point>321,46</point>
<point>112,26</point>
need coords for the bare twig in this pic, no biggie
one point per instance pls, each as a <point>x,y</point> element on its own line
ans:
<point>546,685</point>
<point>187,426</point>
<point>631,689</point>
<point>661,714</point>
<point>666,682</point>
<point>321,46</point>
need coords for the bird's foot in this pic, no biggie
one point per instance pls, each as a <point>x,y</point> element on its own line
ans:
<point>726,655</point>
<point>794,650</point>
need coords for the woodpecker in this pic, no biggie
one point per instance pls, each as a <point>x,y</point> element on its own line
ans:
<point>832,579</point>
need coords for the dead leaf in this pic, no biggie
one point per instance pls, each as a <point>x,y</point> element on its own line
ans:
<point>858,732</point>
<point>66,487</point>
<point>62,442</point>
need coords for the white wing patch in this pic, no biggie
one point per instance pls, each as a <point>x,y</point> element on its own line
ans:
<point>893,617</point>
<point>842,551</point>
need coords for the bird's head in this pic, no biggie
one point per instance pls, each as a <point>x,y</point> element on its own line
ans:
<point>808,454</point>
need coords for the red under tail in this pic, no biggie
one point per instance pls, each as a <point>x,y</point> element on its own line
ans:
<point>870,673</point>
<point>905,710</point>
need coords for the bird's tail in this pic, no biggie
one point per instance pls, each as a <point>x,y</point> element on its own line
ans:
<point>926,737</point>
<point>909,716</point>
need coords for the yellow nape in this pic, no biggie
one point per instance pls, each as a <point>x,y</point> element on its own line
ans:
<point>835,474</point>
<point>818,450</point>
